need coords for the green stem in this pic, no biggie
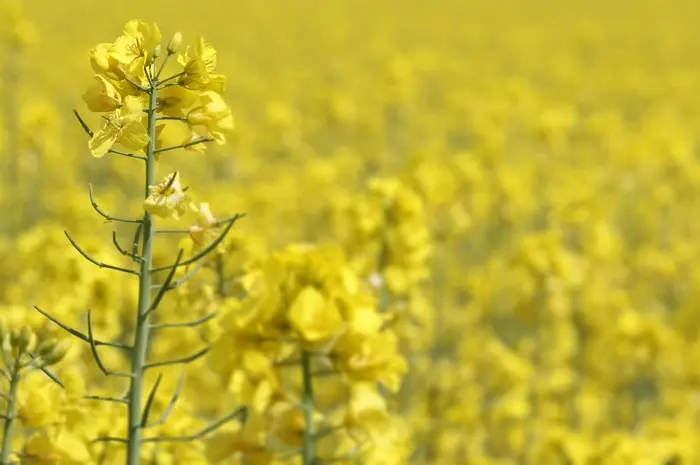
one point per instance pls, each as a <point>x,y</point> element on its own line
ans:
<point>309,450</point>
<point>138,356</point>
<point>220,278</point>
<point>10,413</point>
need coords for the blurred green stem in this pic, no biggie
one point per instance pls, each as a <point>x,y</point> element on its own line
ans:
<point>138,356</point>
<point>309,450</point>
<point>10,413</point>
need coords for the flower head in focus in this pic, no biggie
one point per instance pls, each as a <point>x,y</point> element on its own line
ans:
<point>169,198</point>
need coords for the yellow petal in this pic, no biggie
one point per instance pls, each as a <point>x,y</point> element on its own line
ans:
<point>134,136</point>
<point>102,141</point>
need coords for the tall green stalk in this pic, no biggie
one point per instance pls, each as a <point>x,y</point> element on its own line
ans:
<point>138,355</point>
<point>309,448</point>
<point>10,414</point>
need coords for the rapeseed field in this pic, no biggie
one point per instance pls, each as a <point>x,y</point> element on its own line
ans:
<point>357,232</point>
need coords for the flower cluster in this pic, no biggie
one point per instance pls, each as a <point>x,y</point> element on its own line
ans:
<point>190,105</point>
<point>307,321</point>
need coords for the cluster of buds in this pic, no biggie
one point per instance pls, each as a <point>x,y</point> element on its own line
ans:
<point>21,348</point>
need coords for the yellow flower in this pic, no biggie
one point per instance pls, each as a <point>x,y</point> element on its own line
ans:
<point>367,410</point>
<point>376,358</point>
<point>54,445</point>
<point>103,63</point>
<point>174,100</point>
<point>102,97</point>
<point>314,316</point>
<point>198,68</point>
<point>205,221</point>
<point>288,423</point>
<point>213,114</point>
<point>168,198</point>
<point>125,127</point>
<point>134,48</point>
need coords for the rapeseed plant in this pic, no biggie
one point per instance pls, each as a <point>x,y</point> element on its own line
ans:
<point>507,240</point>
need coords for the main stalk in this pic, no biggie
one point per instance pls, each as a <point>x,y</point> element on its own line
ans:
<point>138,355</point>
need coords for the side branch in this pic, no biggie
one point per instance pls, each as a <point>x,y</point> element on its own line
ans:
<point>174,361</point>
<point>174,284</point>
<point>121,250</point>
<point>206,250</point>
<point>98,262</point>
<point>96,355</point>
<point>164,288</point>
<point>240,413</point>
<point>105,215</point>
<point>169,408</point>
<point>151,399</point>
<point>79,334</point>
<point>235,217</point>
<point>186,324</point>
<point>201,140</point>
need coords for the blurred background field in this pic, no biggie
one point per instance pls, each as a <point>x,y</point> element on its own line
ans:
<point>539,164</point>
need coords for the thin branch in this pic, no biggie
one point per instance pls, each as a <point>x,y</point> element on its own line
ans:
<point>201,140</point>
<point>138,259</point>
<point>50,374</point>
<point>186,324</point>
<point>162,65</point>
<point>235,217</point>
<point>240,413</point>
<point>175,361</point>
<point>97,262</point>
<point>164,288</point>
<point>175,76</point>
<point>111,439</point>
<point>172,118</point>
<point>169,408</point>
<point>137,239</point>
<point>107,399</point>
<point>82,122</point>
<point>185,277</point>
<point>206,250</point>
<point>128,155</point>
<point>80,335</point>
<point>96,355</point>
<point>149,401</point>
<point>106,215</point>
<point>137,85</point>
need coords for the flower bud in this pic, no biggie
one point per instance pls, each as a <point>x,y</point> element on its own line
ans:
<point>174,44</point>
<point>57,352</point>
<point>25,340</point>
<point>156,51</point>
<point>46,347</point>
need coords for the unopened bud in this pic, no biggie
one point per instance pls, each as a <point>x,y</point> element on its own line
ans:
<point>46,347</point>
<point>174,44</point>
<point>156,51</point>
<point>57,351</point>
<point>25,340</point>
